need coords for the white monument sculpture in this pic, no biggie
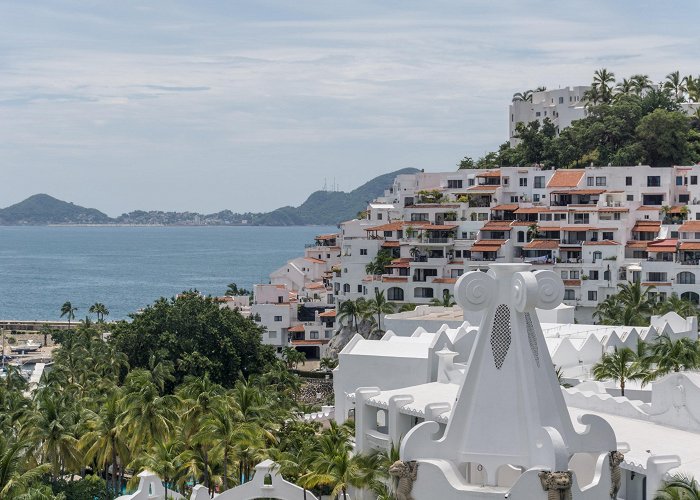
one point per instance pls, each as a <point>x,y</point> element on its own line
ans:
<point>510,434</point>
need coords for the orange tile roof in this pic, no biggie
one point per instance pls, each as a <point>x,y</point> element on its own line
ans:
<point>496,225</point>
<point>508,206</point>
<point>490,173</point>
<point>296,328</point>
<point>637,244</point>
<point>315,286</point>
<point>646,226</point>
<point>331,313</point>
<point>601,242</point>
<point>655,283</point>
<point>614,209</point>
<point>649,208</point>
<point>677,209</point>
<point>397,225</point>
<point>580,191</point>
<point>531,210</point>
<point>542,245</point>
<point>690,245</point>
<point>439,227</point>
<point>445,280</point>
<point>315,261</point>
<point>484,187</point>
<point>583,228</point>
<point>565,178</point>
<point>690,226</point>
<point>669,242</point>
<point>487,245</point>
<point>391,244</point>
<point>303,342</point>
<point>395,279</point>
<point>572,282</point>
<point>523,223</point>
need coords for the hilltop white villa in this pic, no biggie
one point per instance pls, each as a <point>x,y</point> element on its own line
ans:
<point>478,411</point>
<point>595,227</point>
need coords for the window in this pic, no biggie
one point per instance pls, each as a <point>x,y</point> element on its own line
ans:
<point>278,318</point>
<point>535,197</point>
<point>419,217</point>
<point>346,288</point>
<point>470,182</point>
<point>423,292</point>
<point>359,288</point>
<point>379,216</point>
<point>592,295</point>
<point>329,333</point>
<point>685,278</point>
<point>539,182</point>
<point>523,181</point>
<point>607,235</point>
<point>593,276</point>
<point>569,294</point>
<point>363,251</point>
<point>656,277</point>
<point>598,255</point>
<point>683,198</point>
<point>590,181</point>
<point>505,181</point>
<point>454,183</point>
<point>564,274</point>
<point>561,100</point>
<point>521,236</point>
<point>653,180</point>
<point>679,180</point>
<point>630,197</point>
<point>600,181</point>
<point>272,334</point>
<point>394,293</point>
<point>574,275</point>
<point>514,199</point>
<point>313,334</point>
<point>693,179</point>
<point>628,181</point>
<point>537,113</point>
<point>606,275</point>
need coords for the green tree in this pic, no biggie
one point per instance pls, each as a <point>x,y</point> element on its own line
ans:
<point>378,306</point>
<point>603,81</point>
<point>233,290</point>
<point>674,355</point>
<point>100,310</point>
<point>446,301</point>
<point>674,303</point>
<point>350,310</point>
<point>664,137</point>
<point>68,310</point>
<point>466,163</point>
<point>621,366</point>
<point>679,487</point>
<point>17,471</point>
<point>675,84</point>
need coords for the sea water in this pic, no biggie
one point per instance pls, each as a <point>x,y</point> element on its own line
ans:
<point>127,268</point>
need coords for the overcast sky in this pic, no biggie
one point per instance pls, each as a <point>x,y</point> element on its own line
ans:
<point>207,105</point>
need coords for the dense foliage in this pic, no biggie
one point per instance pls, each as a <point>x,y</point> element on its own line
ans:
<point>195,335</point>
<point>626,124</point>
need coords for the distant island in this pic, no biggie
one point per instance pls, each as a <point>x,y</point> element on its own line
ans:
<point>321,208</point>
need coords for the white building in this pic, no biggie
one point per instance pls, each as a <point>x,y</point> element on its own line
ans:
<point>297,307</point>
<point>480,412</point>
<point>561,106</point>
<point>596,227</point>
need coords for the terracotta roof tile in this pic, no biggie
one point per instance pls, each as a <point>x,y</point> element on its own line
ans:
<point>690,226</point>
<point>690,245</point>
<point>496,225</point>
<point>490,173</point>
<point>572,282</point>
<point>445,280</point>
<point>563,178</point>
<point>601,243</point>
<point>542,245</point>
<point>507,206</point>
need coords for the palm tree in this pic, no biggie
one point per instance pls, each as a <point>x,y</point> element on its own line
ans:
<point>621,365</point>
<point>679,487</point>
<point>16,469</point>
<point>378,306</point>
<point>100,309</point>
<point>446,301</point>
<point>693,88</point>
<point>328,364</point>
<point>293,357</point>
<point>603,80</point>
<point>682,307</point>
<point>164,458</point>
<point>674,355</point>
<point>632,305</point>
<point>523,96</point>
<point>105,441</point>
<point>676,85</point>
<point>68,310</point>
<point>640,83</point>
<point>223,420</point>
<point>349,310</point>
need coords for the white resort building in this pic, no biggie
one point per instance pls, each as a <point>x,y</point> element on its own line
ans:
<point>596,227</point>
<point>478,412</point>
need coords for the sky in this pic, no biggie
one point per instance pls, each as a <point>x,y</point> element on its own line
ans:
<point>252,105</point>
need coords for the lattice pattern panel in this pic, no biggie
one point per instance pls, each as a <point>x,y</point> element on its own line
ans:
<point>532,338</point>
<point>500,335</point>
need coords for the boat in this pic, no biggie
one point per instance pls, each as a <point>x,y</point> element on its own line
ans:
<point>28,346</point>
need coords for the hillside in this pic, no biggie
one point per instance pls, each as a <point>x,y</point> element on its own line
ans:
<point>321,208</point>
<point>44,209</point>
<point>327,207</point>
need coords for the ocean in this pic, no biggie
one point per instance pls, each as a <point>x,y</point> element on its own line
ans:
<point>127,268</point>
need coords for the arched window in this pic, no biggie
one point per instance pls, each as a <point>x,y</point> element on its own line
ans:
<point>685,278</point>
<point>394,293</point>
<point>346,287</point>
<point>691,296</point>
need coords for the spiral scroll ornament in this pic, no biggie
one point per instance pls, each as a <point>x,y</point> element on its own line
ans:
<point>524,291</point>
<point>550,291</point>
<point>475,290</point>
